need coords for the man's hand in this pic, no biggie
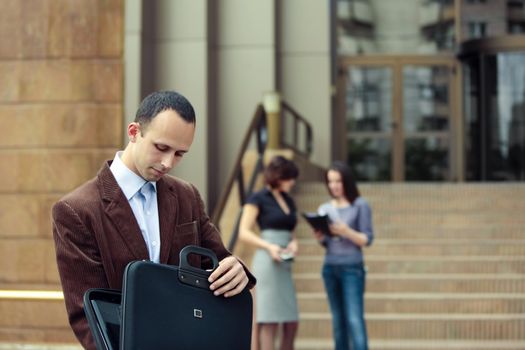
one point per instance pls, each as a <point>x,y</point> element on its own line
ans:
<point>229,278</point>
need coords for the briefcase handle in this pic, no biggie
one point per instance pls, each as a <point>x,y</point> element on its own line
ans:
<point>192,275</point>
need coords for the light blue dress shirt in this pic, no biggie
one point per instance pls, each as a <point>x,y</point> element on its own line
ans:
<point>147,215</point>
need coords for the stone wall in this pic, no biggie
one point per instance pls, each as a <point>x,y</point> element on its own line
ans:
<point>61,88</point>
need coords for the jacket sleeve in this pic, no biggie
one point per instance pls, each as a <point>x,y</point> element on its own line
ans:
<point>79,266</point>
<point>211,238</point>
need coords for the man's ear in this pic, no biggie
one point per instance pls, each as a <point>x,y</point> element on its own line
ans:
<point>133,131</point>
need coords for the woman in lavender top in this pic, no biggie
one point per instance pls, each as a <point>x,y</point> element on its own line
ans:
<point>343,271</point>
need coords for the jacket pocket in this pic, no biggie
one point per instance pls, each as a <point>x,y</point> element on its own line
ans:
<point>187,229</point>
<point>187,234</point>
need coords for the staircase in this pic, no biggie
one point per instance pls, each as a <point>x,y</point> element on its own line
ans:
<point>446,269</point>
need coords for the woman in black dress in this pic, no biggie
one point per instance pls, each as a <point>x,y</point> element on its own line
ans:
<point>274,211</point>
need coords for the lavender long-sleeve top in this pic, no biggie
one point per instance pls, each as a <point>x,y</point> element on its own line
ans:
<point>358,216</point>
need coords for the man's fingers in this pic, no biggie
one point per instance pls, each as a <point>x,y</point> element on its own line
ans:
<point>232,287</point>
<point>225,278</point>
<point>240,287</point>
<point>224,265</point>
<point>229,278</point>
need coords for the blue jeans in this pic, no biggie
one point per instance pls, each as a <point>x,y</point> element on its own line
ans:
<point>345,286</point>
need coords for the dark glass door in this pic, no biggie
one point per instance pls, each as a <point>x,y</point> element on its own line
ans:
<point>398,118</point>
<point>495,116</point>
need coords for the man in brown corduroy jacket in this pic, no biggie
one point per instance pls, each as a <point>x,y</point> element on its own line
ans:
<point>102,226</point>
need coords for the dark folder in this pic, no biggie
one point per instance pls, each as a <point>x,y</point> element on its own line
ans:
<point>171,307</point>
<point>318,222</point>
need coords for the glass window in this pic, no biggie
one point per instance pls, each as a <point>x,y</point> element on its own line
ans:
<point>425,98</point>
<point>507,117</point>
<point>369,122</point>
<point>426,159</point>
<point>370,158</point>
<point>477,29</point>
<point>369,99</point>
<point>394,26</point>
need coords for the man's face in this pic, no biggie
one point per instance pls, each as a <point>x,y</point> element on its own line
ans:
<point>157,147</point>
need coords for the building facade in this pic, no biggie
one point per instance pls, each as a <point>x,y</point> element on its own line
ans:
<point>430,90</point>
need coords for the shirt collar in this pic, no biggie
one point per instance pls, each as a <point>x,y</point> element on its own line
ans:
<point>128,181</point>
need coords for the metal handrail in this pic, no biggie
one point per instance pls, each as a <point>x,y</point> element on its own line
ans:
<point>258,128</point>
<point>297,122</point>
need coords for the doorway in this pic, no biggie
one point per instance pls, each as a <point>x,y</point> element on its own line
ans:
<point>396,117</point>
<point>494,108</point>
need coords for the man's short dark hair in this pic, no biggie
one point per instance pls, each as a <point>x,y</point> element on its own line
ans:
<point>161,101</point>
<point>280,169</point>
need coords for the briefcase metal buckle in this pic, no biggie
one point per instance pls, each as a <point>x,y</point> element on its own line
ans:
<point>197,313</point>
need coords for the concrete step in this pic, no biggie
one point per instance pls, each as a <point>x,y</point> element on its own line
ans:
<point>425,283</point>
<point>423,326</point>
<point>449,247</point>
<point>428,344</point>
<point>450,219</point>
<point>437,203</point>
<point>428,191</point>
<point>454,303</point>
<point>445,246</point>
<point>403,199</point>
<point>401,231</point>
<point>425,264</point>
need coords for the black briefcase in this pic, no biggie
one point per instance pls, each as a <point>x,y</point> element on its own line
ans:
<point>168,307</point>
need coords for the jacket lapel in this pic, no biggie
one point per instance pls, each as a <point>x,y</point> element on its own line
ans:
<point>118,210</point>
<point>168,217</point>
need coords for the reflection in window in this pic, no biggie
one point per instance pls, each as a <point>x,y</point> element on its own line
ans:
<point>426,159</point>
<point>425,98</point>
<point>496,131</point>
<point>421,26</point>
<point>477,29</point>
<point>394,26</point>
<point>370,158</point>
<point>472,119</point>
<point>508,118</point>
<point>369,99</point>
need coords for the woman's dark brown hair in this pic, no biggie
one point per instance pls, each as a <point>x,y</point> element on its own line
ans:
<point>349,184</point>
<point>279,169</point>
